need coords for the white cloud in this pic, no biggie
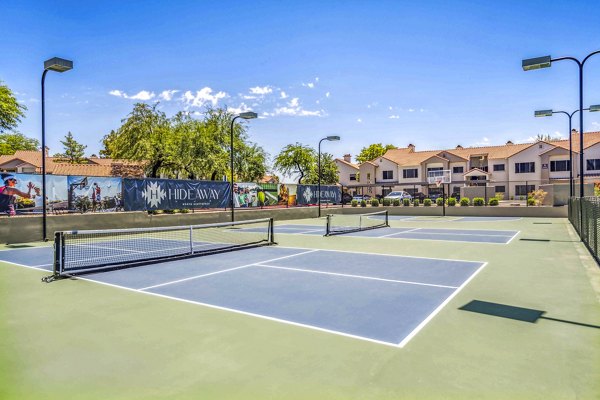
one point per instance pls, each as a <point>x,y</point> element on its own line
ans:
<point>411,110</point>
<point>484,142</point>
<point>359,121</point>
<point>293,108</point>
<point>294,102</point>
<point>242,108</point>
<point>261,90</point>
<point>167,95</point>
<point>596,124</point>
<point>394,117</point>
<point>318,101</point>
<point>283,95</point>
<point>143,95</point>
<point>202,97</point>
<point>246,97</point>
<point>317,79</point>
<point>117,93</point>
<point>390,108</point>
<point>327,94</point>
<point>421,109</point>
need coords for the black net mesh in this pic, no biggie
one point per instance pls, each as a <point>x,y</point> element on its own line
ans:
<point>85,251</point>
<point>584,214</point>
<point>346,223</point>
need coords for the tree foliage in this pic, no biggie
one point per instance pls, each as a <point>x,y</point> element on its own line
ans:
<point>184,147</point>
<point>373,151</point>
<point>74,151</point>
<point>296,159</point>
<point>329,171</point>
<point>11,142</point>
<point>11,111</point>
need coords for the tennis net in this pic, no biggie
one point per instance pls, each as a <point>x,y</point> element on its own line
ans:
<point>78,252</point>
<point>345,223</point>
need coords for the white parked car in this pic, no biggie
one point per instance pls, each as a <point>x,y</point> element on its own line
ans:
<point>398,195</point>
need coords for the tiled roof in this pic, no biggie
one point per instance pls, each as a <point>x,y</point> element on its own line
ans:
<point>346,162</point>
<point>30,157</point>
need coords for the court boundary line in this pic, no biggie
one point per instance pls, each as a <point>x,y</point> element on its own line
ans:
<point>357,276</point>
<point>512,238</point>
<point>219,272</point>
<point>433,240</point>
<point>439,308</point>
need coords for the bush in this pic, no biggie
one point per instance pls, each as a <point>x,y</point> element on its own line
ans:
<point>416,202</point>
<point>493,201</point>
<point>451,202</point>
<point>396,202</point>
<point>374,203</point>
<point>464,202</point>
<point>363,203</point>
<point>427,202</point>
<point>439,201</point>
<point>354,203</point>
<point>478,201</point>
<point>499,196</point>
<point>538,196</point>
<point>530,201</point>
<point>406,202</point>
<point>170,211</point>
<point>387,202</point>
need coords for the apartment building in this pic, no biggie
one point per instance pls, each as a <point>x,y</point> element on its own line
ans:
<point>511,169</point>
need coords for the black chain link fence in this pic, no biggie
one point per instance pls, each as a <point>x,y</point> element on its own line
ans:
<point>584,214</point>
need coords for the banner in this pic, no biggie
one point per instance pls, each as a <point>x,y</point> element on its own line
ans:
<point>169,194</point>
<point>252,195</point>
<point>307,194</point>
<point>26,194</point>
<point>92,193</point>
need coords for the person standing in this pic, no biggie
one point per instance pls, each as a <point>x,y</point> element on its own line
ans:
<point>8,193</point>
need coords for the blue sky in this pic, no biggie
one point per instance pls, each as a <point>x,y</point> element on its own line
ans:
<point>435,74</point>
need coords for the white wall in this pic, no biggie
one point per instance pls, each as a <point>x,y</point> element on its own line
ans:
<point>386,165</point>
<point>344,171</point>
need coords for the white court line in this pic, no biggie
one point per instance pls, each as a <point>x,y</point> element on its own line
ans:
<point>310,231</point>
<point>37,267</point>
<point>284,321</point>
<point>28,248</point>
<point>356,276</point>
<point>438,309</point>
<point>226,270</point>
<point>421,239</point>
<point>397,233</point>
<point>511,239</point>
<point>459,234</point>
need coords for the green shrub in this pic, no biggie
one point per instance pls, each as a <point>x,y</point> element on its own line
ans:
<point>396,202</point>
<point>387,202</point>
<point>493,201</point>
<point>184,210</point>
<point>354,203</point>
<point>406,202</point>
<point>427,202</point>
<point>416,202</point>
<point>451,202</point>
<point>464,202</point>
<point>478,201</point>
<point>374,203</point>
<point>439,201</point>
<point>363,203</point>
<point>531,201</point>
<point>170,211</point>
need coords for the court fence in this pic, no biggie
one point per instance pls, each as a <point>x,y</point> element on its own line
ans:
<point>584,215</point>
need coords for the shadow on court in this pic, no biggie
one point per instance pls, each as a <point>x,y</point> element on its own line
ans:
<point>516,313</point>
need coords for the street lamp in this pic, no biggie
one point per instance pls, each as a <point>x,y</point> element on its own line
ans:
<point>548,113</point>
<point>244,115</point>
<point>58,65</point>
<point>546,62</point>
<point>331,139</point>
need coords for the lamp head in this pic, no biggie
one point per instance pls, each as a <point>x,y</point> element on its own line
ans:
<point>58,64</point>
<point>537,63</point>
<point>248,115</point>
<point>595,108</point>
<point>332,138</point>
<point>543,113</point>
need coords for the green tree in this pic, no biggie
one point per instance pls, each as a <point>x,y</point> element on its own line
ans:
<point>11,111</point>
<point>250,162</point>
<point>74,151</point>
<point>373,151</point>
<point>296,159</point>
<point>329,171</point>
<point>11,142</point>
<point>545,138</point>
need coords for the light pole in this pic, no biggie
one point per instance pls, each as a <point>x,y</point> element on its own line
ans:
<point>546,62</point>
<point>244,115</point>
<point>331,139</point>
<point>548,113</point>
<point>58,65</point>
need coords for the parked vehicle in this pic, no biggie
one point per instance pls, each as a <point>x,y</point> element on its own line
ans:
<point>398,195</point>
<point>419,196</point>
<point>360,197</point>
<point>346,198</point>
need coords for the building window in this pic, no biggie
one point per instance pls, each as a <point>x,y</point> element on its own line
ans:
<point>560,165</point>
<point>498,167</point>
<point>388,174</point>
<point>523,190</point>
<point>500,189</point>
<point>435,169</point>
<point>352,177</point>
<point>457,170</point>
<point>410,173</point>
<point>593,165</point>
<point>524,167</point>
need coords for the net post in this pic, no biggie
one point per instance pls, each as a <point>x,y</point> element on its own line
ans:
<point>271,231</point>
<point>191,239</point>
<point>328,225</point>
<point>387,221</point>
<point>58,253</point>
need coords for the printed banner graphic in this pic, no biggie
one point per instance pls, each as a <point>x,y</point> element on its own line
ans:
<point>90,193</point>
<point>166,194</point>
<point>307,194</point>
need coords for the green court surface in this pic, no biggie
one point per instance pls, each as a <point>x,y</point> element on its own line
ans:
<point>527,326</point>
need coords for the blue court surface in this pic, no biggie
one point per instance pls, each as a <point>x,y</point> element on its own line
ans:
<point>426,218</point>
<point>379,298</point>
<point>453,235</point>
